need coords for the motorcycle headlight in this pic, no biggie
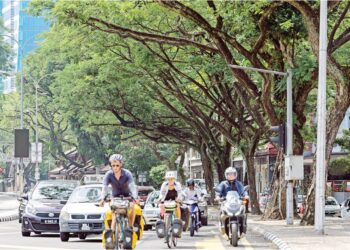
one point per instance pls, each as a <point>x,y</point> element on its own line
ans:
<point>64,215</point>
<point>30,209</point>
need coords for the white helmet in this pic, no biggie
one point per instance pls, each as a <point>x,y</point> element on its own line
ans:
<point>116,157</point>
<point>170,174</point>
<point>229,171</point>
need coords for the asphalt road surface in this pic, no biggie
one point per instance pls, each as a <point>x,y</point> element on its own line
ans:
<point>207,238</point>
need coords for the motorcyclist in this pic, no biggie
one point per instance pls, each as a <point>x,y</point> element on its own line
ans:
<point>122,183</point>
<point>193,193</point>
<point>231,184</point>
<point>171,190</point>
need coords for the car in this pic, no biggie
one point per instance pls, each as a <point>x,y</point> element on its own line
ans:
<point>143,192</point>
<point>151,211</point>
<point>345,209</point>
<point>332,206</point>
<point>82,214</point>
<point>44,205</point>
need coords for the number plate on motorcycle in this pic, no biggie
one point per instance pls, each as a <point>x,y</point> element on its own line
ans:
<point>85,227</point>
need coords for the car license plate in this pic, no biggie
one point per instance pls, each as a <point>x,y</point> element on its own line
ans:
<point>85,227</point>
<point>51,221</point>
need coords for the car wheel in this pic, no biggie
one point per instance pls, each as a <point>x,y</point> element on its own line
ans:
<point>82,236</point>
<point>19,220</point>
<point>25,234</point>
<point>37,232</point>
<point>64,236</point>
<point>147,227</point>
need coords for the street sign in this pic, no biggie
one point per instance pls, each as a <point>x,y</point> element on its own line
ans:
<point>21,143</point>
<point>34,154</point>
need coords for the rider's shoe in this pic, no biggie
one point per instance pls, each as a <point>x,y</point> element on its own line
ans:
<point>225,237</point>
<point>242,235</point>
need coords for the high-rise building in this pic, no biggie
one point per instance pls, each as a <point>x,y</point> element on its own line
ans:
<point>24,29</point>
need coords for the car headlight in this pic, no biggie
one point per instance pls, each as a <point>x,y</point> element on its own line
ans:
<point>30,209</point>
<point>64,215</point>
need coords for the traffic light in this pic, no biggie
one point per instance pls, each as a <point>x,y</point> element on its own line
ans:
<point>281,138</point>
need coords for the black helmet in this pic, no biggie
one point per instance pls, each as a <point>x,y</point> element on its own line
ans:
<point>190,182</point>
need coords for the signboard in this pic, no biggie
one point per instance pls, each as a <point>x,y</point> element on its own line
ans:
<point>21,143</point>
<point>35,154</point>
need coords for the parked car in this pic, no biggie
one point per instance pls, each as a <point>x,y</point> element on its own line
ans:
<point>151,212</point>
<point>332,206</point>
<point>44,205</point>
<point>82,214</point>
<point>345,209</point>
<point>143,192</point>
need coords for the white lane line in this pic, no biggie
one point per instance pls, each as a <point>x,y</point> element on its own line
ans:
<point>9,233</point>
<point>30,248</point>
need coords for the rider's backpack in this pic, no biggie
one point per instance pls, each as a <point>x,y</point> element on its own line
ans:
<point>160,228</point>
<point>177,228</point>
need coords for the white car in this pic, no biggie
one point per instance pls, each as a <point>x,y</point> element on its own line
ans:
<point>82,215</point>
<point>151,211</point>
<point>332,206</point>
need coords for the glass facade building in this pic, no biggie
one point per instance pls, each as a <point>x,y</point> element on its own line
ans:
<point>24,29</point>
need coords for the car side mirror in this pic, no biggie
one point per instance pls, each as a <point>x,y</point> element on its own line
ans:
<point>23,197</point>
<point>63,202</point>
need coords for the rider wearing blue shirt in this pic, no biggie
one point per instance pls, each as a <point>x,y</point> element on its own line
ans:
<point>122,184</point>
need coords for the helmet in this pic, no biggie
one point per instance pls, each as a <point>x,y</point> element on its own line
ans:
<point>170,174</point>
<point>116,157</point>
<point>229,171</point>
<point>190,182</point>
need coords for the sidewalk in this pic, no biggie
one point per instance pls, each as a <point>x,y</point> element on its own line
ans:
<point>295,237</point>
<point>8,207</point>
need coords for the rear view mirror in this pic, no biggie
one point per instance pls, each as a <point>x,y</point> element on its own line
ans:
<point>246,188</point>
<point>23,197</point>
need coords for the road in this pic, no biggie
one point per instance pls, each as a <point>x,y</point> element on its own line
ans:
<point>207,238</point>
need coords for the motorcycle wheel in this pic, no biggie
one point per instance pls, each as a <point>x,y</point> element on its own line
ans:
<point>192,226</point>
<point>234,235</point>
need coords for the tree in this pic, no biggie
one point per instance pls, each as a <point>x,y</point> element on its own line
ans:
<point>157,174</point>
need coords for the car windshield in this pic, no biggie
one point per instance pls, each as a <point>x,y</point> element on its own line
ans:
<point>53,191</point>
<point>86,195</point>
<point>330,203</point>
<point>152,198</point>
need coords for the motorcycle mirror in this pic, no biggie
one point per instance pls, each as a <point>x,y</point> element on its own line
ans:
<point>246,188</point>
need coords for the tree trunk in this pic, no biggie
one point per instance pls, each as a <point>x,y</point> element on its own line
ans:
<point>276,207</point>
<point>334,120</point>
<point>251,181</point>
<point>208,172</point>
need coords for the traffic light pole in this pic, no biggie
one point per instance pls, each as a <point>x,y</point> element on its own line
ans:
<point>289,151</point>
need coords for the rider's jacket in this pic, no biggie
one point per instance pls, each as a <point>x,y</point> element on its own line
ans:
<point>166,194</point>
<point>124,186</point>
<point>226,186</point>
<point>194,194</point>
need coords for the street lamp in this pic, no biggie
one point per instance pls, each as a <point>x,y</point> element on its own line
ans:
<point>289,150</point>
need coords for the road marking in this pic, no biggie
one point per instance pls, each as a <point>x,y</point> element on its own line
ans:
<point>246,244</point>
<point>210,244</point>
<point>9,233</point>
<point>30,248</point>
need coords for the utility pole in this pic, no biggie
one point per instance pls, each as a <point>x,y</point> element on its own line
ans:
<point>321,123</point>
<point>289,151</point>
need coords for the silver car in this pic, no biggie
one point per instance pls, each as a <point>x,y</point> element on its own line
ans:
<point>332,207</point>
<point>151,211</point>
<point>82,215</point>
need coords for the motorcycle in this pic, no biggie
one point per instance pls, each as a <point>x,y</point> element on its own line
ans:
<point>233,217</point>
<point>194,216</point>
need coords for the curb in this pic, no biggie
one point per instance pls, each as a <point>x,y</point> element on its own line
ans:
<point>9,217</point>
<point>272,237</point>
